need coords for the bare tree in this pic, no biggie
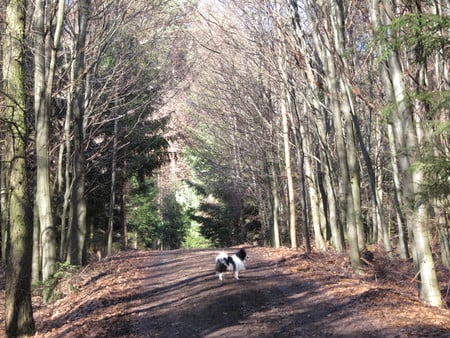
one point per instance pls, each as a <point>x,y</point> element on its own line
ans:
<point>407,135</point>
<point>19,229</point>
<point>78,226</point>
<point>46,40</point>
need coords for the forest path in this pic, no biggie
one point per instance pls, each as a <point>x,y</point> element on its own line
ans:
<point>180,296</point>
<point>283,293</point>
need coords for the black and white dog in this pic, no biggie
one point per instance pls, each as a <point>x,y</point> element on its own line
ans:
<point>234,263</point>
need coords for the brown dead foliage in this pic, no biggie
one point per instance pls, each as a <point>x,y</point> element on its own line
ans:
<point>286,292</point>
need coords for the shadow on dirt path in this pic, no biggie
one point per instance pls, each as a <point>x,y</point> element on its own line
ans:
<point>283,293</point>
<point>180,296</point>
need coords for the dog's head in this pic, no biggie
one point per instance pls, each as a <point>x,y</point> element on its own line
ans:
<point>242,254</point>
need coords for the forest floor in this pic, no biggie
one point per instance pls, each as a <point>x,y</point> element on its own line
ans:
<point>283,293</point>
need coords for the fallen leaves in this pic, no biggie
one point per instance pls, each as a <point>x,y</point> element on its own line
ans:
<point>99,299</point>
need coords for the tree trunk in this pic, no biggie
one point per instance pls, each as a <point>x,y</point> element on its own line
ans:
<point>19,240</point>
<point>398,197</point>
<point>3,204</point>
<point>36,264</point>
<point>285,106</point>
<point>301,146</point>
<point>329,190</point>
<point>65,212</point>
<point>428,284</point>
<point>288,168</point>
<point>313,192</point>
<point>407,138</point>
<point>112,200</point>
<point>78,201</point>
<point>375,190</point>
<point>272,177</point>
<point>443,229</point>
<point>123,215</point>
<point>349,164</point>
<point>327,48</point>
<point>43,83</point>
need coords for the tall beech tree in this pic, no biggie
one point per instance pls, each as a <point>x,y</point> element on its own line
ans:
<point>78,227</point>
<point>47,32</point>
<point>19,229</point>
<point>408,135</point>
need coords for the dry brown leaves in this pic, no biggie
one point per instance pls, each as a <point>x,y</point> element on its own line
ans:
<point>95,298</point>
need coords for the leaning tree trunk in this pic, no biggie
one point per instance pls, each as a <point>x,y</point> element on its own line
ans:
<point>66,165</point>
<point>18,308</point>
<point>401,226</point>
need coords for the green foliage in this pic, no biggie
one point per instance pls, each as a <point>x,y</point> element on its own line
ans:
<point>49,289</point>
<point>215,214</point>
<point>130,83</point>
<point>219,210</point>
<point>434,101</point>
<point>170,223</point>
<point>435,164</point>
<point>175,223</point>
<point>143,216</point>
<point>187,197</point>
<point>437,173</point>
<point>194,238</point>
<point>216,225</point>
<point>419,32</point>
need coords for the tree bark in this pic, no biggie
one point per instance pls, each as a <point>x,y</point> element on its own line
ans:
<point>302,145</point>
<point>275,211</point>
<point>18,308</point>
<point>78,201</point>
<point>285,106</point>
<point>313,192</point>
<point>288,169</point>
<point>112,200</point>
<point>408,134</point>
<point>401,226</point>
<point>328,49</point>
<point>45,63</point>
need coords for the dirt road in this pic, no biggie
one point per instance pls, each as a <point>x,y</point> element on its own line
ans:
<point>183,298</point>
<point>180,296</point>
<point>283,293</point>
